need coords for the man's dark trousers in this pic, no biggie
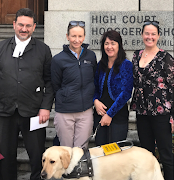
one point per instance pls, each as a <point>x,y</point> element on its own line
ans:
<point>9,130</point>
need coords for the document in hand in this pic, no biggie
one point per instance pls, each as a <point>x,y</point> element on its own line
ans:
<point>34,123</point>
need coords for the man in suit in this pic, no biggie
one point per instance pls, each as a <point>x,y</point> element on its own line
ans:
<point>25,91</point>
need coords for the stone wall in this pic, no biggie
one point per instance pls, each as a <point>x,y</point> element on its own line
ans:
<point>60,12</point>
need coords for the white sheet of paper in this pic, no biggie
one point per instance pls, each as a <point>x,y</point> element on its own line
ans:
<point>34,123</point>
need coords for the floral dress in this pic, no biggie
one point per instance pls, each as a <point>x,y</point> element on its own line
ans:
<point>153,84</point>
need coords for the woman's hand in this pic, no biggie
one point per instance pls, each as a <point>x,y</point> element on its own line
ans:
<point>100,107</point>
<point>105,120</point>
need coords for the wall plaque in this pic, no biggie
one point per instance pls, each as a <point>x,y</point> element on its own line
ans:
<point>129,25</point>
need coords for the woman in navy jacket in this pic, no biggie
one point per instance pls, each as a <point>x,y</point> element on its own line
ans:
<point>113,88</point>
<point>72,75</point>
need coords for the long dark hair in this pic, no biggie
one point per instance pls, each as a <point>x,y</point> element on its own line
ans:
<point>115,36</point>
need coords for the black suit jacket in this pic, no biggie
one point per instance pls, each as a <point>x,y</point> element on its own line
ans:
<point>25,82</point>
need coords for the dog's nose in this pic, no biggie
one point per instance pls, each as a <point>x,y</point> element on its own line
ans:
<point>43,175</point>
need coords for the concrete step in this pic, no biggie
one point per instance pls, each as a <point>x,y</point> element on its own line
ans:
<point>7,31</point>
<point>22,175</point>
<point>132,120</point>
<point>50,134</point>
<point>22,157</point>
<point>23,160</point>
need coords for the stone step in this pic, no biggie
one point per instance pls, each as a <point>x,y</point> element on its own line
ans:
<point>22,175</point>
<point>50,134</point>
<point>7,31</point>
<point>132,120</point>
<point>23,160</point>
<point>22,157</point>
<point>9,28</point>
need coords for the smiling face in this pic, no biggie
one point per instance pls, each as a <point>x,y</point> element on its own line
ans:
<point>111,48</point>
<point>24,27</point>
<point>76,37</point>
<point>150,36</point>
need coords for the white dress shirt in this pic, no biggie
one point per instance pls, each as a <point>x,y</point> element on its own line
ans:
<point>20,46</point>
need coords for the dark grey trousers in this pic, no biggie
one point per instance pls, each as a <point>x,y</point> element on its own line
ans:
<point>157,128</point>
<point>34,143</point>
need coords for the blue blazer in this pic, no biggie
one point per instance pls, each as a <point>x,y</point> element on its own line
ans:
<point>119,86</point>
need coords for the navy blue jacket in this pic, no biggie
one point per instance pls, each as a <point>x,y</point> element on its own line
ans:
<point>73,80</point>
<point>119,86</point>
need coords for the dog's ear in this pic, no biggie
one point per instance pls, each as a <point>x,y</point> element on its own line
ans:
<point>65,158</point>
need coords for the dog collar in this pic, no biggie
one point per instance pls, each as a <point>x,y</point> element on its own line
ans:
<point>83,168</point>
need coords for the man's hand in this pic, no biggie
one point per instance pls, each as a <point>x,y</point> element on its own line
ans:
<point>44,115</point>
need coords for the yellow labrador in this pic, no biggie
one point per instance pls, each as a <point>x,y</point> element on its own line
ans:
<point>132,164</point>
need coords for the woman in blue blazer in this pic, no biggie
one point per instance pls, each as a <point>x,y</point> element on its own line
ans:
<point>113,88</point>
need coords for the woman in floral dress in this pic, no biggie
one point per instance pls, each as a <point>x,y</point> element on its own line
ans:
<point>153,71</point>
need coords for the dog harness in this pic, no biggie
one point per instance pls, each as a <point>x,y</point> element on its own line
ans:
<point>84,167</point>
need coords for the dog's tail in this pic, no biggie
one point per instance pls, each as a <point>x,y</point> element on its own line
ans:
<point>157,171</point>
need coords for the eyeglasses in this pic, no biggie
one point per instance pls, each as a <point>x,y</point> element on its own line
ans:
<point>77,23</point>
<point>155,23</point>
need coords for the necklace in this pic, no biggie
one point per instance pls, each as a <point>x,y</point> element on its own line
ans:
<point>145,61</point>
<point>146,54</point>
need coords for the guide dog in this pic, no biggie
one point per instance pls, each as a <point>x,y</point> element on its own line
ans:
<point>132,164</point>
